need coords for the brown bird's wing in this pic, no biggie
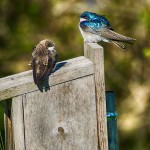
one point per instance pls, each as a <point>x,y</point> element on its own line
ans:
<point>43,62</point>
<point>39,63</point>
<point>52,60</point>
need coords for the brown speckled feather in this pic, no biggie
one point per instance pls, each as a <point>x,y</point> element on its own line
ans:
<point>44,58</point>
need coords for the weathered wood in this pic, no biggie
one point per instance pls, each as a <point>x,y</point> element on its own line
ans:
<point>63,118</point>
<point>95,53</point>
<point>18,123</point>
<point>23,82</point>
<point>112,121</point>
<point>71,115</point>
<point>8,126</point>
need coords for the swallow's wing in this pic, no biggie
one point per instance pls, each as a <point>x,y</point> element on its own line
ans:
<point>104,21</point>
<point>89,26</point>
<point>109,34</point>
<point>103,31</point>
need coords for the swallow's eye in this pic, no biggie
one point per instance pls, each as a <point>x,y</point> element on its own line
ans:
<point>85,17</point>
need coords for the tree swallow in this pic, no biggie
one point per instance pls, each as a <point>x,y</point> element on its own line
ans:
<point>96,28</point>
<point>44,58</point>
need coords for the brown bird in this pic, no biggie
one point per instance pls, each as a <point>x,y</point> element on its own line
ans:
<point>44,58</point>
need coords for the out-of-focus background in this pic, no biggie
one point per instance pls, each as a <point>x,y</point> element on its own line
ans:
<point>24,23</point>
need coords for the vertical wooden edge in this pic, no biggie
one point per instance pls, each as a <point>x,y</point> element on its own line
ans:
<point>95,53</point>
<point>8,125</point>
<point>112,121</point>
<point>18,123</point>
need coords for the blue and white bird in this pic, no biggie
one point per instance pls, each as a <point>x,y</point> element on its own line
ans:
<point>95,28</point>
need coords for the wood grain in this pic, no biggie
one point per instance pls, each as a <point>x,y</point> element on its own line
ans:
<point>64,118</point>
<point>18,123</point>
<point>8,125</point>
<point>65,71</point>
<point>95,53</point>
<point>69,116</point>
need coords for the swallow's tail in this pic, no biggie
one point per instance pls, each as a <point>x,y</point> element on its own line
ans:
<point>111,35</point>
<point>119,44</point>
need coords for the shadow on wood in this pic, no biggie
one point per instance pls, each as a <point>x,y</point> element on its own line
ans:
<point>44,85</point>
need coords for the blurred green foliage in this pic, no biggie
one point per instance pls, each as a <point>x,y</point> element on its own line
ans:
<point>24,23</point>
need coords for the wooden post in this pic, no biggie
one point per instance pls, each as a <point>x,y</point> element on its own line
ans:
<point>111,120</point>
<point>95,53</point>
<point>8,126</point>
<point>18,127</point>
<point>71,115</point>
<point>62,118</point>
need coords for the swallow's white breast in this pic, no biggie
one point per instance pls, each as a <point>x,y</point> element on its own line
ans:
<point>89,37</point>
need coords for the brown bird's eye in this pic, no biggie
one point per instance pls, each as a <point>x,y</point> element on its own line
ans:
<point>49,44</point>
<point>34,47</point>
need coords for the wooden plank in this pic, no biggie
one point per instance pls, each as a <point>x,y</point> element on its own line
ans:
<point>112,121</point>
<point>18,123</point>
<point>8,126</point>
<point>63,118</point>
<point>65,71</point>
<point>95,53</point>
